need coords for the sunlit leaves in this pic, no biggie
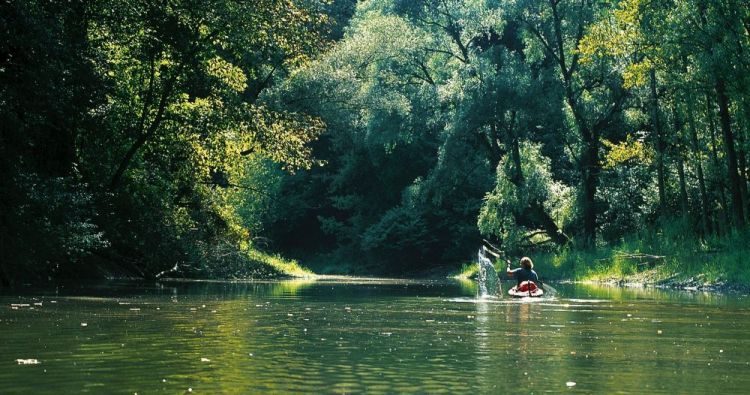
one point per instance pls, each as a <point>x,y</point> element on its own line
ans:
<point>503,208</point>
<point>230,75</point>
<point>627,151</point>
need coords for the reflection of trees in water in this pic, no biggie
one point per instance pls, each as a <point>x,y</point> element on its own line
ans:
<point>230,289</point>
<point>505,340</point>
<point>485,317</point>
<point>518,316</point>
<point>619,293</point>
<point>468,287</point>
<point>241,332</point>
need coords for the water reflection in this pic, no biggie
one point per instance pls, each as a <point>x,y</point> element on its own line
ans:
<point>370,335</point>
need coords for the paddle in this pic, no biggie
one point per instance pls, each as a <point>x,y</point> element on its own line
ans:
<point>491,246</point>
<point>541,285</point>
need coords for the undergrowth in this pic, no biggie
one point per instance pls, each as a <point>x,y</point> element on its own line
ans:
<point>667,254</point>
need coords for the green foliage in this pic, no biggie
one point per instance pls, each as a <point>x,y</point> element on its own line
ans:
<point>199,132</point>
<point>443,92</point>
<point>54,224</point>
<point>687,259</point>
<point>227,262</point>
<point>130,125</point>
<point>504,206</point>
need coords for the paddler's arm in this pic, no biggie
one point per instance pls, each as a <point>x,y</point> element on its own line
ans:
<point>508,272</point>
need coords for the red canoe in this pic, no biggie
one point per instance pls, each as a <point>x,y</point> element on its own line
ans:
<point>525,290</point>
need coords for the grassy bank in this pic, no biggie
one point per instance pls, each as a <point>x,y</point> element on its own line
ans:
<point>279,264</point>
<point>658,257</point>
<point>469,270</point>
<point>664,257</point>
<point>249,263</point>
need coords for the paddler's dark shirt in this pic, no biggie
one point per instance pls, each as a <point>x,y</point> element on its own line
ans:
<point>522,274</point>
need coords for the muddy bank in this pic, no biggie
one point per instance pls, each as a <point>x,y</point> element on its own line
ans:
<point>679,281</point>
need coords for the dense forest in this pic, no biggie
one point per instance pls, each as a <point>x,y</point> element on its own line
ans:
<point>377,136</point>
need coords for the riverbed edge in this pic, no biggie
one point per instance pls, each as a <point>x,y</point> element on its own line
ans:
<point>658,277</point>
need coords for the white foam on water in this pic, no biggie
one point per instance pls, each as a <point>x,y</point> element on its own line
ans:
<point>487,279</point>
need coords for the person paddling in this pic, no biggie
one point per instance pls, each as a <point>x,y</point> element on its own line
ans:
<point>524,273</point>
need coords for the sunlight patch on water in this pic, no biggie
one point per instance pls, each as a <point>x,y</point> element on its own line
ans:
<point>588,300</point>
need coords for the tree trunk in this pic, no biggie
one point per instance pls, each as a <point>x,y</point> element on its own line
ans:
<point>589,163</point>
<point>539,217</point>
<point>679,131</point>
<point>734,178</point>
<point>742,149</point>
<point>684,204</point>
<point>705,219</point>
<point>589,169</point>
<point>516,157</point>
<point>717,164</point>
<point>743,171</point>
<point>145,135</point>
<point>658,144</point>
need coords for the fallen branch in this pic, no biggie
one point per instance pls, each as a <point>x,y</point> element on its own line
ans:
<point>640,256</point>
<point>172,270</point>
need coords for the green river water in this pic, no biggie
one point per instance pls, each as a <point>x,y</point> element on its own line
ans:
<point>373,336</point>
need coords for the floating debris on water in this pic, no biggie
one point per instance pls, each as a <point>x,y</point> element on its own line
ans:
<point>205,360</point>
<point>571,383</point>
<point>29,361</point>
<point>83,324</point>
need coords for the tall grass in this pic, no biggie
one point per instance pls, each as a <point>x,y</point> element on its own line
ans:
<point>468,270</point>
<point>713,259</point>
<point>282,266</point>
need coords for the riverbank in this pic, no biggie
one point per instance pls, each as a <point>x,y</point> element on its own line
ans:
<point>251,264</point>
<point>720,264</point>
<point>248,264</point>
<point>659,259</point>
<point>689,279</point>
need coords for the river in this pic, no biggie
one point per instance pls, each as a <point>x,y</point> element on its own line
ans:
<point>348,335</point>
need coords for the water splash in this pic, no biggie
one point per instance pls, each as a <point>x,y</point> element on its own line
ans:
<point>487,279</point>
